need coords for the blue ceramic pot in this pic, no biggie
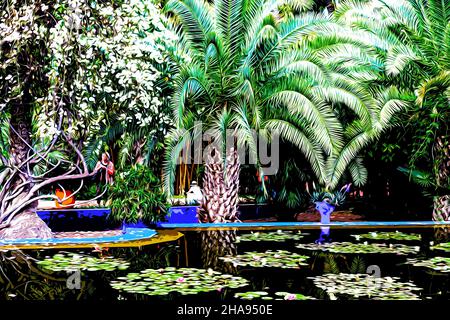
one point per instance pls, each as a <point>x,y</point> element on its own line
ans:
<point>325,210</point>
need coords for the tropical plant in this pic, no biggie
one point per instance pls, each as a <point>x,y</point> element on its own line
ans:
<point>137,195</point>
<point>130,82</point>
<point>250,70</point>
<point>289,183</point>
<point>335,198</point>
<point>414,44</point>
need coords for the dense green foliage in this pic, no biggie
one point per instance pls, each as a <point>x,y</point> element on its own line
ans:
<point>124,75</point>
<point>305,77</point>
<point>413,42</point>
<point>137,195</point>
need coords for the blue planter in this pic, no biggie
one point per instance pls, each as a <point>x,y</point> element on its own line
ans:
<point>83,219</point>
<point>184,214</point>
<point>325,210</point>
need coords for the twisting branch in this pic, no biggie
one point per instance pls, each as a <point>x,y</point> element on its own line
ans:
<point>78,152</point>
<point>37,177</point>
<point>31,184</point>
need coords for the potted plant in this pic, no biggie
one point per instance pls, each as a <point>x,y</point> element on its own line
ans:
<point>326,202</point>
<point>66,199</point>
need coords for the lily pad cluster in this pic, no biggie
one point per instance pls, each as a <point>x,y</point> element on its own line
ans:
<point>76,261</point>
<point>445,246</point>
<point>158,282</point>
<point>441,264</point>
<point>263,295</point>
<point>397,235</point>
<point>278,236</point>
<point>364,285</point>
<point>276,259</point>
<point>360,248</point>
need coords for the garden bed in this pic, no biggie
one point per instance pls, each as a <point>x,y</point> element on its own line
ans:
<point>338,216</point>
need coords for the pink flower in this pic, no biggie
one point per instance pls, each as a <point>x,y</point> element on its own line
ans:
<point>290,296</point>
<point>181,279</point>
<point>219,289</point>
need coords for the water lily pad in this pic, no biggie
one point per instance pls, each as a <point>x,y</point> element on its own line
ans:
<point>155,282</point>
<point>367,286</point>
<point>278,236</point>
<point>361,248</point>
<point>251,295</point>
<point>292,296</point>
<point>441,264</point>
<point>75,261</point>
<point>277,259</point>
<point>445,246</point>
<point>397,235</point>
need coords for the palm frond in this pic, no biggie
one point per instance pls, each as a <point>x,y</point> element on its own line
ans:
<point>358,172</point>
<point>326,127</point>
<point>293,135</point>
<point>195,19</point>
<point>438,84</point>
<point>422,178</point>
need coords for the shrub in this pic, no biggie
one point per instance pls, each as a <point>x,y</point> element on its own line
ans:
<point>137,195</point>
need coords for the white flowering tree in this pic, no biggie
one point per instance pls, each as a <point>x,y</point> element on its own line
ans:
<point>74,74</point>
<point>121,71</point>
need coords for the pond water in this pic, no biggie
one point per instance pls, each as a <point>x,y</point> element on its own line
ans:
<point>292,264</point>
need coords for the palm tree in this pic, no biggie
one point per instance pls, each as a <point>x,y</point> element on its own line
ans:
<point>249,70</point>
<point>414,38</point>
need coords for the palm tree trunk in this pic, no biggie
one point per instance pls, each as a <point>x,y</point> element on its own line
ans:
<point>220,190</point>
<point>441,204</point>
<point>441,208</point>
<point>220,201</point>
<point>441,151</point>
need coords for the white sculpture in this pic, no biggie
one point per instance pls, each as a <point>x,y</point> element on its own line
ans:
<point>194,195</point>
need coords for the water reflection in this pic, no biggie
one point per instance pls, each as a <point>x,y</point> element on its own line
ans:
<point>441,234</point>
<point>21,279</point>
<point>324,235</point>
<point>216,244</point>
<point>49,274</point>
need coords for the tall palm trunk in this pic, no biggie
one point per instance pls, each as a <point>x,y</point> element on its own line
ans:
<point>441,204</point>
<point>25,224</point>
<point>441,208</point>
<point>220,201</point>
<point>220,190</point>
